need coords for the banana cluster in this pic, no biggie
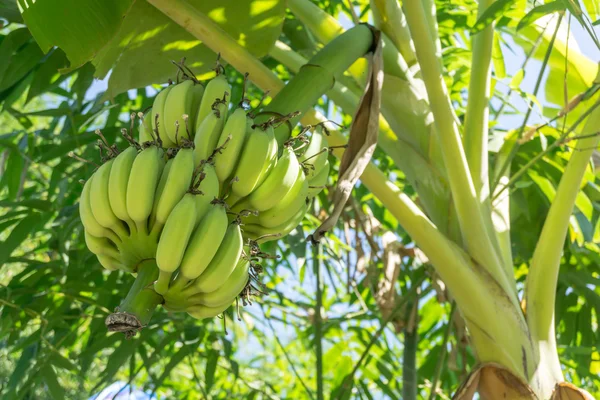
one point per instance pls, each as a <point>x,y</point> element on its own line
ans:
<point>198,191</point>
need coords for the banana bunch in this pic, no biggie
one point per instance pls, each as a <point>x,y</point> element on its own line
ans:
<point>197,192</point>
<point>280,199</point>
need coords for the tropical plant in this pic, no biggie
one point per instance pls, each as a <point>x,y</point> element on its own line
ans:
<point>465,260</point>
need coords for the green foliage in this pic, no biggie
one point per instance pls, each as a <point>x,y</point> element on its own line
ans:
<point>54,296</point>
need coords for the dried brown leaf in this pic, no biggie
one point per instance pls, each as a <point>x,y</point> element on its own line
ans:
<point>363,138</point>
<point>494,382</point>
<point>567,391</point>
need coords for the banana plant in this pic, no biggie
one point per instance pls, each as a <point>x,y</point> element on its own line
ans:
<point>461,220</point>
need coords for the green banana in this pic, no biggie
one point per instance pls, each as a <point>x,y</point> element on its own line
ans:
<point>173,184</point>
<point>197,94</point>
<point>111,263</point>
<point>229,291</point>
<point>289,205</point>
<point>174,240</point>
<point>141,187</point>
<point>271,159</point>
<point>277,184</point>
<point>164,178</point>
<point>203,246</point>
<point>215,90</point>
<point>158,108</point>
<point>87,216</point>
<point>234,131</point>
<point>179,102</point>
<point>315,156</point>
<point>318,181</point>
<point>222,264</point>
<point>117,185</point>
<point>255,153</point>
<point>255,232</point>
<point>208,132</point>
<point>203,312</point>
<point>210,190</point>
<point>100,202</point>
<point>101,245</point>
<point>145,128</point>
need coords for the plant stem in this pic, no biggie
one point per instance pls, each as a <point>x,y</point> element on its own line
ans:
<point>326,28</point>
<point>470,212</point>
<point>409,355</point>
<point>442,357</point>
<point>318,76</point>
<point>318,322</point>
<point>137,308</point>
<point>389,18</point>
<point>477,114</point>
<point>543,272</point>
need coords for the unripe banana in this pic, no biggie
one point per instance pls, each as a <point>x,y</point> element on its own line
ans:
<point>254,155</point>
<point>202,247</point>
<point>234,132</point>
<point>164,178</point>
<point>198,92</point>
<point>111,263</point>
<point>318,181</point>
<point>174,240</point>
<point>203,312</point>
<point>289,205</point>
<point>145,128</point>
<point>100,202</point>
<point>229,291</point>
<point>117,185</point>
<point>255,232</point>
<point>222,264</point>
<point>141,187</point>
<point>210,190</point>
<point>176,184</point>
<point>271,159</point>
<point>101,245</point>
<point>179,102</point>
<point>208,132</point>
<point>277,184</point>
<point>158,108</point>
<point>215,90</point>
<point>316,154</point>
<point>87,216</point>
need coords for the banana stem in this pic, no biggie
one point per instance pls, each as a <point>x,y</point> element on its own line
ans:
<point>543,272</point>
<point>470,211</point>
<point>135,311</point>
<point>318,76</point>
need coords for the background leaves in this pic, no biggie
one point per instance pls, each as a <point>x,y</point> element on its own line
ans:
<point>54,295</point>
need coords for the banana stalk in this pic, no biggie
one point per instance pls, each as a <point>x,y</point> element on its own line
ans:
<point>318,76</point>
<point>136,310</point>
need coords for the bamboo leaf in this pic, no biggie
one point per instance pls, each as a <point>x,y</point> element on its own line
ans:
<point>537,12</point>
<point>20,232</point>
<point>51,380</point>
<point>211,367</point>
<point>36,204</point>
